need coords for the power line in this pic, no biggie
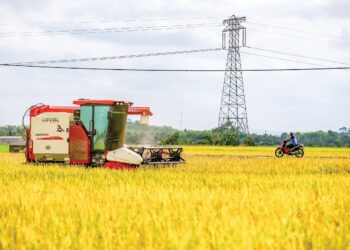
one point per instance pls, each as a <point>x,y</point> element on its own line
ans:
<point>301,28</point>
<point>296,55</point>
<point>111,20</point>
<point>108,30</point>
<point>172,70</point>
<point>282,59</point>
<point>339,35</point>
<point>90,59</point>
<point>299,37</point>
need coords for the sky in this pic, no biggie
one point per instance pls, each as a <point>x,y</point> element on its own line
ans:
<point>276,101</point>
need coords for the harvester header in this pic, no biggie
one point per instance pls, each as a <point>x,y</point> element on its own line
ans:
<point>91,133</point>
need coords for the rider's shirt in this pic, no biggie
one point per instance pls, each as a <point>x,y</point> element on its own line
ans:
<point>294,140</point>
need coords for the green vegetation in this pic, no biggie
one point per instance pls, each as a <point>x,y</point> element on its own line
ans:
<point>232,138</point>
<point>4,148</point>
<point>137,133</point>
<point>141,134</point>
<point>147,134</point>
<point>11,130</point>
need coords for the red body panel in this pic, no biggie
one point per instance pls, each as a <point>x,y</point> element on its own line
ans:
<point>29,147</point>
<point>117,165</point>
<point>99,102</point>
<point>46,108</point>
<point>139,111</point>
<point>79,145</point>
<point>51,138</point>
<point>131,111</point>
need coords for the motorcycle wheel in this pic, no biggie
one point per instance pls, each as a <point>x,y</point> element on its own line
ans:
<point>279,153</point>
<point>299,153</point>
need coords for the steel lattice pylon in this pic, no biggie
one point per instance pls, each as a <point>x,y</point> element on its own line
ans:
<point>233,111</point>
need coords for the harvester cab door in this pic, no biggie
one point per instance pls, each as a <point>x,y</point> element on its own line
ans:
<point>95,121</point>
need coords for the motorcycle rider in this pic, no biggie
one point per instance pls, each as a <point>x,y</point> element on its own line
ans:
<point>293,141</point>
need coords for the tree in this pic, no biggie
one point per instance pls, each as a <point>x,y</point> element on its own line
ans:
<point>173,139</point>
<point>249,141</point>
<point>343,130</point>
<point>229,137</point>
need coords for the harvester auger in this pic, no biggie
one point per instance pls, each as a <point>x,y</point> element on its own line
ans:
<point>91,133</point>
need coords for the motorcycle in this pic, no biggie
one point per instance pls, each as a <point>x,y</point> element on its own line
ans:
<point>298,150</point>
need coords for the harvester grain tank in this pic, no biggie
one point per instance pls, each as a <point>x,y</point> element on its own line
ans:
<point>91,133</point>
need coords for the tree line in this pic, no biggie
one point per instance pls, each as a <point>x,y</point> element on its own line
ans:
<point>145,134</point>
<point>231,137</point>
<point>11,130</point>
<point>136,134</point>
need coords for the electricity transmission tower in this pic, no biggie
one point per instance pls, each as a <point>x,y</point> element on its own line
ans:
<point>233,111</point>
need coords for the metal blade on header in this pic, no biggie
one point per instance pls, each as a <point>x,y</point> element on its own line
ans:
<point>159,155</point>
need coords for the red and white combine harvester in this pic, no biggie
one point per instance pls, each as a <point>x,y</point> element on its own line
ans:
<point>91,133</point>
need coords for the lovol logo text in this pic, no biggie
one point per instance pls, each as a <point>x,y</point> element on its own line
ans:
<point>50,120</point>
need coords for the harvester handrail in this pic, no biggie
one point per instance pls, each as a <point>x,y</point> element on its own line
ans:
<point>27,111</point>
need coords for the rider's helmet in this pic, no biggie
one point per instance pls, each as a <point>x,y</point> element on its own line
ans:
<point>291,133</point>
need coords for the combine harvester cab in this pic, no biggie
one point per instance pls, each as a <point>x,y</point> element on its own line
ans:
<point>91,133</point>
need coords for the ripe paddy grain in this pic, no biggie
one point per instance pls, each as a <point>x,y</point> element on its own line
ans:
<point>215,203</point>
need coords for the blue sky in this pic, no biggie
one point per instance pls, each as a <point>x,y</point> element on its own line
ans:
<point>283,101</point>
